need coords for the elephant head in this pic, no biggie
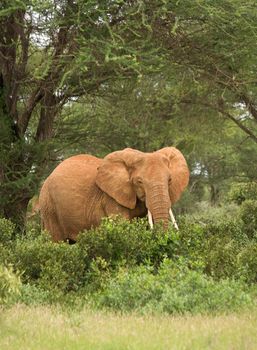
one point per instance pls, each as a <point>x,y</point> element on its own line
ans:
<point>157,179</point>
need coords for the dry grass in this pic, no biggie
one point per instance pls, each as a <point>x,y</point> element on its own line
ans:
<point>23,327</point>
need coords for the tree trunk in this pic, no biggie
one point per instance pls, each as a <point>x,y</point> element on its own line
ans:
<point>16,180</point>
<point>214,194</point>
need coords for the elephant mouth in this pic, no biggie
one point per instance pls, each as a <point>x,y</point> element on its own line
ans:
<point>150,219</point>
<point>142,198</point>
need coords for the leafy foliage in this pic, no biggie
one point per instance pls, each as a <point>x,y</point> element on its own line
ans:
<point>10,284</point>
<point>174,289</point>
<point>249,217</point>
<point>240,192</point>
<point>117,242</point>
<point>96,77</point>
<point>7,229</point>
<point>206,265</point>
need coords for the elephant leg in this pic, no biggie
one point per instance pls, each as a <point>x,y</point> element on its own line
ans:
<point>51,224</point>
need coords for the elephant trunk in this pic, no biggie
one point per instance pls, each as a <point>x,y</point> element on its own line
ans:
<point>158,203</point>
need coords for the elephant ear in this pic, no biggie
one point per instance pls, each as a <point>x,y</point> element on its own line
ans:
<point>113,176</point>
<point>178,170</point>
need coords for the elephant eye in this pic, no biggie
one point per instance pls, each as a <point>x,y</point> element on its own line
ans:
<point>139,180</point>
<point>170,180</point>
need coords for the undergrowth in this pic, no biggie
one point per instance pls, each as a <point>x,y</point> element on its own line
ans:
<point>208,266</point>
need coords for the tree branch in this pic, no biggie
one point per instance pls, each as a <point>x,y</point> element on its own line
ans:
<point>226,114</point>
<point>45,89</point>
<point>241,126</point>
<point>250,105</point>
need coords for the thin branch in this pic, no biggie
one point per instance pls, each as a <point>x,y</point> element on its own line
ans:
<point>34,98</point>
<point>241,126</point>
<point>45,91</point>
<point>226,114</point>
<point>249,105</point>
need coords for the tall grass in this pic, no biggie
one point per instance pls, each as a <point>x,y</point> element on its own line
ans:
<point>45,328</point>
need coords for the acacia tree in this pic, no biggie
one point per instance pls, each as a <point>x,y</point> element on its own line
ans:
<point>212,48</point>
<point>52,53</point>
<point>208,78</point>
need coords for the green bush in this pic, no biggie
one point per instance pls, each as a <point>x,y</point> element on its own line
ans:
<point>248,214</point>
<point>174,289</point>
<point>214,247</point>
<point>29,256</point>
<point>240,192</point>
<point>52,266</point>
<point>217,248</point>
<point>101,251</point>
<point>247,262</point>
<point>5,253</point>
<point>65,269</point>
<point>191,245</point>
<point>31,294</point>
<point>224,243</point>
<point>10,284</point>
<point>90,262</point>
<point>205,214</point>
<point>119,242</point>
<point>7,229</point>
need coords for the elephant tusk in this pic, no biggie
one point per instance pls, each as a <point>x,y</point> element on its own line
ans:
<point>173,219</point>
<point>150,219</point>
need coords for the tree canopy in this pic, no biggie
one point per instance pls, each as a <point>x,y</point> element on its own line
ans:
<point>90,76</point>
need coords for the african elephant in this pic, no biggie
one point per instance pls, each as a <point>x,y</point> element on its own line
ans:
<point>83,189</point>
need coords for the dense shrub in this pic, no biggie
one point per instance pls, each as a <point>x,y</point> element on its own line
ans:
<point>174,289</point>
<point>5,253</point>
<point>6,230</point>
<point>52,266</point>
<point>204,253</point>
<point>31,294</point>
<point>224,244</point>
<point>247,262</point>
<point>222,258</point>
<point>191,245</point>
<point>205,214</point>
<point>10,284</point>
<point>65,269</point>
<point>248,214</point>
<point>240,192</point>
<point>119,242</point>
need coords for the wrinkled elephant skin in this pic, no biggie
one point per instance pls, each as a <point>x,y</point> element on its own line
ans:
<point>83,189</point>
